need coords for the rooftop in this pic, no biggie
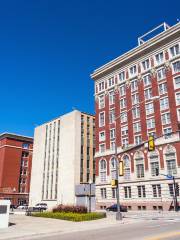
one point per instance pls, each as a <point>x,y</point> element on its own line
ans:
<point>16,137</point>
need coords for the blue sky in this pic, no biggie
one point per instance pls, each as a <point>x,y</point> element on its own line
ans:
<point>48,48</point>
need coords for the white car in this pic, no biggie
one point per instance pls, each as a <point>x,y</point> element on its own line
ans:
<point>41,206</point>
<point>22,207</point>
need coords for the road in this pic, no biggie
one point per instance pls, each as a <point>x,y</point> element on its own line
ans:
<point>147,230</point>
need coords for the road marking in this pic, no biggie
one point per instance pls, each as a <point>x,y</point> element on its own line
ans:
<point>164,236</point>
<point>161,225</point>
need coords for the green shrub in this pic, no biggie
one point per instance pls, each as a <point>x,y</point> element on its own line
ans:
<point>75,217</point>
<point>70,208</point>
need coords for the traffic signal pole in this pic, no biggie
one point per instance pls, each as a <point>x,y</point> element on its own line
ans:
<point>175,195</point>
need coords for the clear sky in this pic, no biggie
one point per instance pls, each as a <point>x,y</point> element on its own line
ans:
<point>48,48</point>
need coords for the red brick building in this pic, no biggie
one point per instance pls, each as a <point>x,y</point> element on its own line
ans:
<point>15,167</point>
<point>138,95</point>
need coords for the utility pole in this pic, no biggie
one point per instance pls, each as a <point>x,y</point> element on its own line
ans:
<point>175,195</point>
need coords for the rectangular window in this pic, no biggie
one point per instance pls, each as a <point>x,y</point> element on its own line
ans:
<point>134,85</point>
<point>149,108</point>
<point>177,82</point>
<point>111,81</point>
<point>148,93</point>
<point>125,142</point>
<point>112,145</point>
<point>159,58</point>
<point>146,65</point>
<point>161,74</point>
<point>147,80</point>
<point>25,145</point>
<point>178,98</point>
<point>112,133</point>
<point>167,132</point>
<point>136,112</point>
<point>156,190</point>
<point>137,127</point>
<point>101,119</point>
<point>111,97</point>
<point>135,98</point>
<point>178,114</point>
<point>175,50</point>
<point>150,123</point>
<point>101,86</point>
<point>176,67</point>
<point>101,102</point>
<point>102,148</point>
<point>123,103</point>
<point>133,70</point>
<point>123,117</point>
<point>138,139</point>
<point>121,76</point>
<point>124,130</point>
<point>112,116</point>
<point>165,118</point>
<point>154,167</point>
<point>122,90</point>
<point>164,103</point>
<point>162,88</point>
<point>141,191</point>
<point>102,136</point>
<point>127,192</point>
<point>139,169</point>
<point>113,192</point>
<point>103,193</point>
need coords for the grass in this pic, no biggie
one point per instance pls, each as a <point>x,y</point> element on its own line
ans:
<point>75,217</point>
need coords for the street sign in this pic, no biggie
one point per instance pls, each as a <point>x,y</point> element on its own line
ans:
<point>169,176</point>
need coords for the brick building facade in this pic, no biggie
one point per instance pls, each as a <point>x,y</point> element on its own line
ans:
<point>138,95</point>
<point>15,167</point>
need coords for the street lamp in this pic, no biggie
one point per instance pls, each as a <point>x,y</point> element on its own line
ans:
<point>90,183</point>
<point>119,214</point>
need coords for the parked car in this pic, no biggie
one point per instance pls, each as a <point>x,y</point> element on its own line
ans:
<point>113,208</point>
<point>23,207</point>
<point>12,206</point>
<point>41,206</point>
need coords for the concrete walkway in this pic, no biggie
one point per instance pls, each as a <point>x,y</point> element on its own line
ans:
<point>25,227</point>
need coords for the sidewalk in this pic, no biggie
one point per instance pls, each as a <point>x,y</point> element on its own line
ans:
<point>24,227</point>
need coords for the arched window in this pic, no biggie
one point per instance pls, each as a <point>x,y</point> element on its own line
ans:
<point>126,161</point>
<point>113,168</point>
<point>139,161</point>
<point>154,163</point>
<point>170,156</point>
<point>103,170</point>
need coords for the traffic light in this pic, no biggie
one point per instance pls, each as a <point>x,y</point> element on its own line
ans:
<point>151,144</point>
<point>121,168</point>
<point>114,183</point>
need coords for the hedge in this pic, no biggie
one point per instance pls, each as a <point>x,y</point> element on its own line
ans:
<point>75,217</point>
<point>70,208</point>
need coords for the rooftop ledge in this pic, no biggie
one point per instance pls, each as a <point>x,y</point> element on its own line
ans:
<point>142,45</point>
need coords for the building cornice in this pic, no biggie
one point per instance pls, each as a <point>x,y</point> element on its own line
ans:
<point>16,137</point>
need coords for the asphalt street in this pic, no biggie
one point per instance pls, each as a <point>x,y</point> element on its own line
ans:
<point>147,230</point>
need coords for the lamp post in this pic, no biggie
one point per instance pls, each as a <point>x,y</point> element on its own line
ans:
<point>119,214</point>
<point>90,183</point>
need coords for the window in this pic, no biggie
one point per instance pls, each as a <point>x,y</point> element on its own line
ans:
<point>102,148</point>
<point>171,189</point>
<point>123,103</point>
<point>161,74</point>
<point>133,70</point>
<point>101,86</point>
<point>135,98</point>
<point>101,102</point>
<point>122,90</point>
<point>147,80</point>
<point>178,114</point>
<point>112,133</point>
<point>121,76</point>
<point>125,142</point>
<point>113,192</point>
<point>164,103</point>
<point>112,116</point>
<point>159,58</point>
<point>111,81</point>
<point>136,112</point>
<point>150,123</point>
<point>123,117</point>
<point>154,164</point>
<point>176,67</point>
<point>162,88</point>
<point>127,192</point>
<point>137,127</point>
<point>139,165</point>
<point>167,132</point>
<point>148,93</point>
<point>170,157</point>
<point>126,161</point>
<point>138,139</point>
<point>112,145</point>
<point>177,82</point>
<point>178,98</point>
<point>134,85</point>
<point>146,65</point>
<point>149,108</point>
<point>25,154</point>
<point>113,168</point>
<point>156,190</point>
<point>103,193</point>
<point>141,191</point>
<point>124,130</point>
<point>111,97</point>
<point>103,170</point>
<point>101,119</point>
<point>102,136</point>
<point>25,145</point>
<point>165,118</point>
<point>175,50</point>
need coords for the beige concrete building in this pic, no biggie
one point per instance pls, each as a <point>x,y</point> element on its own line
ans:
<point>62,158</point>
